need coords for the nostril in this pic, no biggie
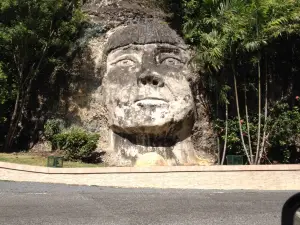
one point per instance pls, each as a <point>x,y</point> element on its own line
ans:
<point>155,82</point>
<point>144,82</point>
<point>151,80</point>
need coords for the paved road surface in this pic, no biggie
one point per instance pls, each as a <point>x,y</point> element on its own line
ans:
<point>45,204</point>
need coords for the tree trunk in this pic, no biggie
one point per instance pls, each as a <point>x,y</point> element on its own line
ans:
<point>219,151</point>
<point>259,113</point>
<point>11,128</point>
<point>17,114</point>
<point>218,138</point>
<point>226,135</point>
<point>264,139</point>
<point>248,128</point>
<point>239,116</point>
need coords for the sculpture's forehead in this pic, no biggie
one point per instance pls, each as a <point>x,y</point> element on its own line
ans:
<point>141,34</point>
<point>155,47</point>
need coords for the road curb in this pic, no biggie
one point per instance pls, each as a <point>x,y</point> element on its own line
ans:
<point>156,169</point>
<point>262,177</point>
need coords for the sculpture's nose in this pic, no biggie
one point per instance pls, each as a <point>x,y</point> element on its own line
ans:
<point>151,80</point>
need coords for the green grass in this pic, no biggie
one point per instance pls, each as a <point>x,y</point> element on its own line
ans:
<point>36,160</point>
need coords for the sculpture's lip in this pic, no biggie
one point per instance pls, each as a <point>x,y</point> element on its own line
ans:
<point>151,98</point>
<point>151,101</point>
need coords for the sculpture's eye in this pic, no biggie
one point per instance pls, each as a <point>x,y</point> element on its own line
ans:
<point>171,61</point>
<point>124,63</point>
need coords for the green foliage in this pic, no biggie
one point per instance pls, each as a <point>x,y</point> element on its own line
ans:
<point>234,144</point>
<point>282,130</point>
<point>47,26</point>
<point>221,30</point>
<point>76,143</point>
<point>215,28</point>
<point>53,127</point>
<point>36,39</point>
<point>232,39</point>
<point>250,45</point>
<point>285,125</point>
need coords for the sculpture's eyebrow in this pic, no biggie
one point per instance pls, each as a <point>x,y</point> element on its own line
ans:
<point>132,47</point>
<point>126,49</point>
<point>169,49</point>
<point>128,52</point>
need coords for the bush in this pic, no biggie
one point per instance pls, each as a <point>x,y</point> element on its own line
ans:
<point>53,127</point>
<point>282,133</point>
<point>77,143</point>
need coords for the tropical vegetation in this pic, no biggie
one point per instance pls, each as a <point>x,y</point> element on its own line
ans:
<point>247,53</point>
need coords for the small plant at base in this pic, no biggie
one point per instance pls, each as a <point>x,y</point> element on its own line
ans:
<point>77,143</point>
<point>53,127</point>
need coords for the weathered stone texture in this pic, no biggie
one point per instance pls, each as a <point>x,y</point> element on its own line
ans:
<point>134,85</point>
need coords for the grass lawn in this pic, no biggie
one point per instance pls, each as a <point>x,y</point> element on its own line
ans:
<point>37,160</point>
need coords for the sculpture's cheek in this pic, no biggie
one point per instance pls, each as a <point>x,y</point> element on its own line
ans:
<point>122,75</point>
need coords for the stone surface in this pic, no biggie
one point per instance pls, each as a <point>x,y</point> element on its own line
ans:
<point>134,84</point>
<point>150,159</point>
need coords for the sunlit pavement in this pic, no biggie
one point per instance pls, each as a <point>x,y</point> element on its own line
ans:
<point>39,204</point>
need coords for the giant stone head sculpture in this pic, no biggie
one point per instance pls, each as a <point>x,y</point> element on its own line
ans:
<point>146,79</point>
<point>135,86</point>
<point>148,95</point>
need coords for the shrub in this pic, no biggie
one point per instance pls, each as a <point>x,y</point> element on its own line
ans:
<point>53,127</point>
<point>282,133</point>
<point>77,143</point>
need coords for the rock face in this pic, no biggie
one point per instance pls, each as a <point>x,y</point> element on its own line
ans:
<point>135,86</point>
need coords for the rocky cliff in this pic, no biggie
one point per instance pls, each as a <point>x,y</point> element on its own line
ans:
<point>84,104</point>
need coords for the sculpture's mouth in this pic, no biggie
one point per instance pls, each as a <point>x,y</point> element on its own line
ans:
<point>151,102</point>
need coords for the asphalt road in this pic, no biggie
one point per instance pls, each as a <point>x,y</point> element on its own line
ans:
<point>43,204</point>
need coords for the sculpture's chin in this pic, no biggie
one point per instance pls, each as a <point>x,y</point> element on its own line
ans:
<point>150,117</point>
<point>154,127</point>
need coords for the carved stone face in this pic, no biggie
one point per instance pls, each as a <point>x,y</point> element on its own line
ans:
<point>146,88</point>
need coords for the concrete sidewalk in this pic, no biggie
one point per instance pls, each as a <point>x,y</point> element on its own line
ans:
<point>263,177</point>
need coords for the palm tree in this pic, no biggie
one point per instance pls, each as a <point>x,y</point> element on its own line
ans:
<point>225,30</point>
<point>220,29</point>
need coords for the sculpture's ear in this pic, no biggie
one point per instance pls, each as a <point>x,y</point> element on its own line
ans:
<point>289,215</point>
